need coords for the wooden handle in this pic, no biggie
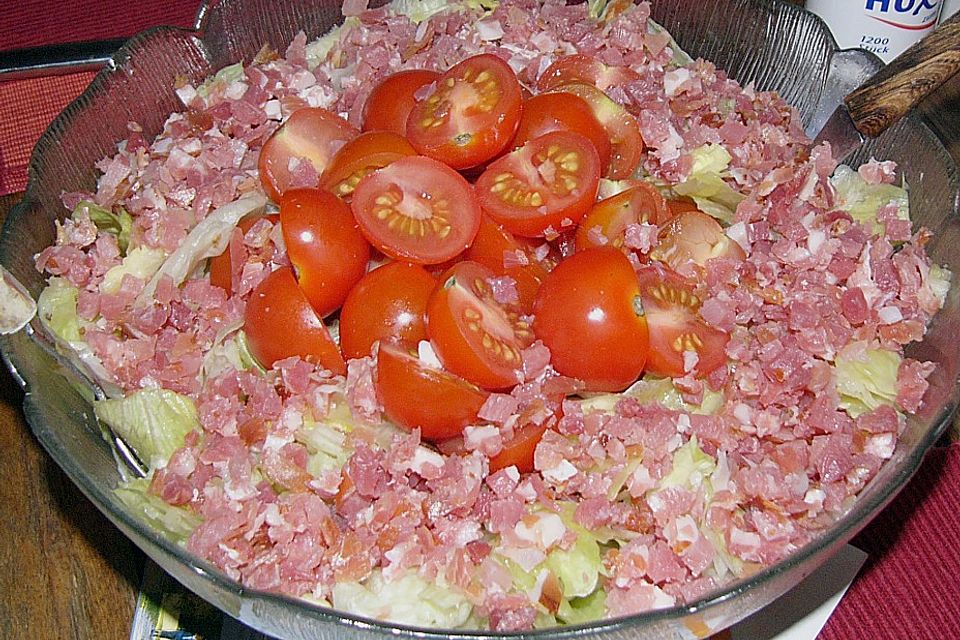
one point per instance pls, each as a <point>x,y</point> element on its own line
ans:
<point>916,73</point>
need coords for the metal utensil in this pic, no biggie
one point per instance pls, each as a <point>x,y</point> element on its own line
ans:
<point>894,91</point>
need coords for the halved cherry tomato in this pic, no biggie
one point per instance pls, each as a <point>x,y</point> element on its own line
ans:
<point>681,205</point>
<point>389,104</point>
<point>562,112</point>
<point>676,328</point>
<point>418,396</point>
<point>622,128</point>
<point>694,237</point>
<point>325,245</point>
<point>517,452</point>
<point>417,209</point>
<point>471,115</point>
<point>497,249</point>
<point>221,266</point>
<point>363,155</point>
<point>588,313</point>
<point>389,304</point>
<point>586,69</point>
<point>545,185</point>
<point>475,336</point>
<point>310,135</point>
<point>607,221</point>
<point>280,323</point>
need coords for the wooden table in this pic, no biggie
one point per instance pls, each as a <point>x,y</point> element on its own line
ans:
<point>65,571</point>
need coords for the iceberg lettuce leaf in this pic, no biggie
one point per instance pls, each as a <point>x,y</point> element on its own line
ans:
<point>406,599</point>
<point>866,379</point>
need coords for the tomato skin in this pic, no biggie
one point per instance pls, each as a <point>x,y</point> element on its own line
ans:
<point>681,205</point>
<point>585,69</point>
<point>278,302</point>
<point>587,314</point>
<point>389,305</point>
<point>491,248</point>
<point>417,396</point>
<point>694,238</point>
<point>529,191</point>
<point>363,155</point>
<point>431,213</point>
<point>471,115</point>
<point>622,129</point>
<point>221,266</point>
<point>609,218</point>
<point>673,317</point>
<point>325,245</point>
<point>519,451</point>
<point>311,134</point>
<point>389,104</point>
<point>548,112</point>
<point>473,335</point>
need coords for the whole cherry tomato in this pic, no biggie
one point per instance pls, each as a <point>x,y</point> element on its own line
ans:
<point>327,250</point>
<point>589,314</point>
<point>389,304</point>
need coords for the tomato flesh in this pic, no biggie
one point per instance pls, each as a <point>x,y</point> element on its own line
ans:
<point>324,243</point>
<point>678,335</point>
<point>361,156</point>
<point>389,104</point>
<point>588,313</point>
<point>497,249</point>
<point>562,112</point>
<point>418,210</point>
<point>608,220</point>
<point>473,335</point>
<point>584,69</point>
<point>310,135</point>
<point>471,114</point>
<point>623,130</point>
<point>278,302</point>
<point>388,304</point>
<point>694,238</point>
<point>416,396</point>
<point>544,187</point>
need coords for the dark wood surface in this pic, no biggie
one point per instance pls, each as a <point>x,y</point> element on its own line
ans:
<point>65,571</point>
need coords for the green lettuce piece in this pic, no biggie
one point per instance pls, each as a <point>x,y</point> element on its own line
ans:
<point>587,609</point>
<point>862,200</point>
<point>690,466</point>
<point>326,443</point>
<point>866,379</point>
<point>141,262</point>
<point>650,389</point>
<point>318,50</point>
<point>420,10</point>
<point>177,523</point>
<point>577,568</point>
<point>706,184</point>
<point>225,76</point>
<point>119,223</point>
<point>153,422</point>
<point>939,281</point>
<point>405,599</point>
<point>57,309</point>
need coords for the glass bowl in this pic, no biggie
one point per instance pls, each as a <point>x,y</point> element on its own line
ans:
<point>773,44</point>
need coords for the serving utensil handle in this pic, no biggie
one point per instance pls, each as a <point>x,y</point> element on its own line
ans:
<point>910,77</point>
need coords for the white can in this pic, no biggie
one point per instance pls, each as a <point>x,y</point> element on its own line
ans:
<point>950,7</point>
<point>885,27</point>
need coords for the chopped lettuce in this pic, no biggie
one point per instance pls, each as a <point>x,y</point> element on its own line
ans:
<point>405,599</point>
<point>141,262</point>
<point>586,609</point>
<point>577,568</point>
<point>939,282</point>
<point>152,422</point>
<point>225,76</point>
<point>862,200</point>
<point>326,441</point>
<point>177,523</point>
<point>691,465</point>
<point>706,184</point>
<point>57,308</point>
<point>206,240</point>
<point>318,49</point>
<point>651,389</point>
<point>119,223</point>
<point>420,10</point>
<point>866,379</point>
